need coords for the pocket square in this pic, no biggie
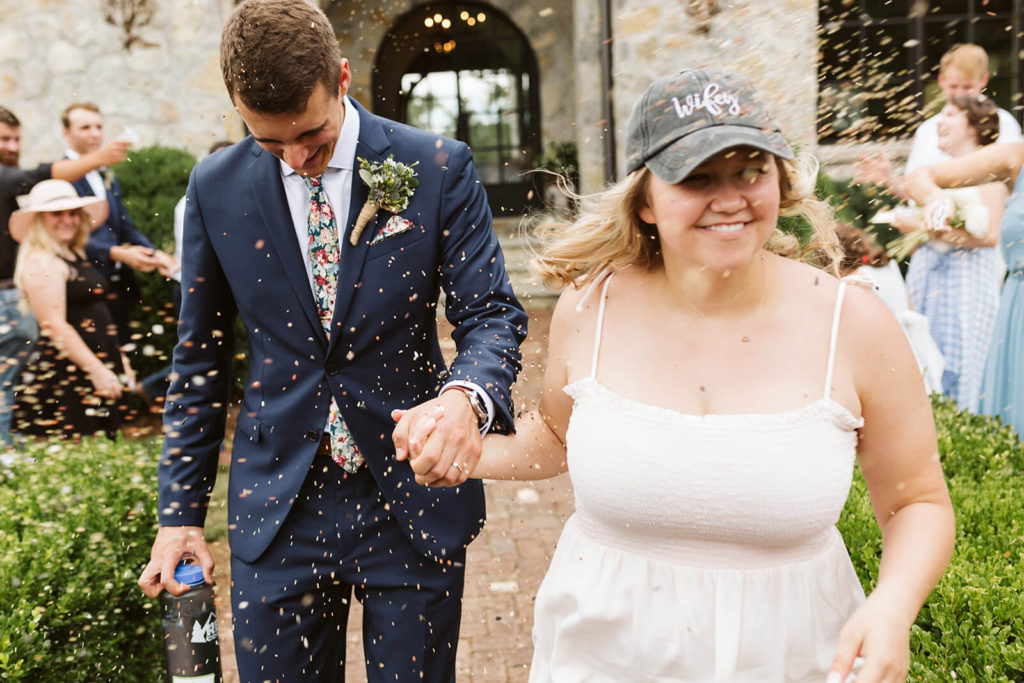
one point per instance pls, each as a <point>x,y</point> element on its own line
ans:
<point>395,226</point>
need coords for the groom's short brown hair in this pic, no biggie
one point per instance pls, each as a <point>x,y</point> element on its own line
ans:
<point>274,52</point>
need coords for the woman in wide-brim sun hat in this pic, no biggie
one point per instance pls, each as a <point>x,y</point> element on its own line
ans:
<point>70,387</point>
<point>52,196</point>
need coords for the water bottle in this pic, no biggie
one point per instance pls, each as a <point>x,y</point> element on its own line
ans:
<point>190,629</point>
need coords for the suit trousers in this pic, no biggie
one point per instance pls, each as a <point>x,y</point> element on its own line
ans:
<point>291,605</point>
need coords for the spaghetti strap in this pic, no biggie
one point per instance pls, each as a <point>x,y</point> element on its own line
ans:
<point>833,337</point>
<point>600,324</point>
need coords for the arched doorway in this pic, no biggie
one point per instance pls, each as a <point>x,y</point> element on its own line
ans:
<point>464,70</point>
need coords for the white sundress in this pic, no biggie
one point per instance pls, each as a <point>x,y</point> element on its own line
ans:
<point>703,547</point>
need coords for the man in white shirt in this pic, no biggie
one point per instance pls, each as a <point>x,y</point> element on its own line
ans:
<point>118,247</point>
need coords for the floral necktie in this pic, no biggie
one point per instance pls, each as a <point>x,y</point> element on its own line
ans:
<point>325,259</point>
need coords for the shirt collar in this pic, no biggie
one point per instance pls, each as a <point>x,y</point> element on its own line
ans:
<point>345,151</point>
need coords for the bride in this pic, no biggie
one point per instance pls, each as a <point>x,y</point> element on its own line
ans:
<point>708,396</point>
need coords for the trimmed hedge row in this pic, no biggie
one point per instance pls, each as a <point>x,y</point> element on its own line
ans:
<point>76,522</point>
<point>972,626</point>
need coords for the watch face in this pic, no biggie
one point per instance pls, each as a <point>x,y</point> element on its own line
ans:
<point>478,407</point>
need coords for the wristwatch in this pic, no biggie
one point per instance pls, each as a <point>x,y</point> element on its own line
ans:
<point>476,402</point>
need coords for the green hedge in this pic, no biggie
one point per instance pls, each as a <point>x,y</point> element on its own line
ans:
<point>152,182</point>
<point>854,204</point>
<point>972,625</point>
<point>76,525</point>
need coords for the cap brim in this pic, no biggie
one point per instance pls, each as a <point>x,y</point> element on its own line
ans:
<point>94,207</point>
<point>678,160</point>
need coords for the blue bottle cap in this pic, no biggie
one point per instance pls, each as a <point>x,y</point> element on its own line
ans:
<point>189,574</point>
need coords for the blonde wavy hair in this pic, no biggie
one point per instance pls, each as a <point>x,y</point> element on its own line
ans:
<point>608,233</point>
<point>37,238</point>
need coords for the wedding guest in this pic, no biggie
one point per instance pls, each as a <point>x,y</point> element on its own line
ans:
<point>953,278</point>
<point>118,247</point>
<point>963,72</point>
<point>1002,386</point>
<point>341,317</point>
<point>708,398</point>
<point>864,257</point>
<point>20,329</point>
<point>70,386</point>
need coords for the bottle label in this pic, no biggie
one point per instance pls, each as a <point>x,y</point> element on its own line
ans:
<point>205,633</point>
<point>207,678</point>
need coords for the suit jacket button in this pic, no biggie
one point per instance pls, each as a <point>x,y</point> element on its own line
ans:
<point>332,369</point>
<point>312,435</point>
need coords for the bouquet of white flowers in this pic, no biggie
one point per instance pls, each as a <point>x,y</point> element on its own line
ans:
<point>969,215</point>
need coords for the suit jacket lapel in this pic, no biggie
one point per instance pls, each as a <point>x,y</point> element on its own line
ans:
<point>273,206</point>
<point>371,146</point>
<point>83,188</point>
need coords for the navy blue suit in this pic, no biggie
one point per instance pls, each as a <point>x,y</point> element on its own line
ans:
<point>302,534</point>
<point>119,229</point>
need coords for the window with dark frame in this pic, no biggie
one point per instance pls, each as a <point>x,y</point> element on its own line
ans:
<point>464,70</point>
<point>879,60</point>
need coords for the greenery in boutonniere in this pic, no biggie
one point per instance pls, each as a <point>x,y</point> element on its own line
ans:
<point>391,183</point>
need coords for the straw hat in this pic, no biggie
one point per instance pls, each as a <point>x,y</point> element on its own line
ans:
<point>55,195</point>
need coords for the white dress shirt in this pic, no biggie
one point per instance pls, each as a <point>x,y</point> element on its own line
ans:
<point>94,178</point>
<point>337,183</point>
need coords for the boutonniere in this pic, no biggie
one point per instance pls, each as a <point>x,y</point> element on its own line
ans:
<point>391,184</point>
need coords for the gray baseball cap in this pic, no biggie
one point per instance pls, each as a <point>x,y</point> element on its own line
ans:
<point>683,120</point>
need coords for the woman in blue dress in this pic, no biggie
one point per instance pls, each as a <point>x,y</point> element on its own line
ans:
<point>954,278</point>
<point>1002,391</point>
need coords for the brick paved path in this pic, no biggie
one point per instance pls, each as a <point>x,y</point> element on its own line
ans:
<point>504,566</point>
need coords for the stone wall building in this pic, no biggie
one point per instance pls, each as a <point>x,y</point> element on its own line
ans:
<point>509,76</point>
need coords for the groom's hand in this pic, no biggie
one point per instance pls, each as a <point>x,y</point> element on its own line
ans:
<point>171,545</point>
<point>440,438</point>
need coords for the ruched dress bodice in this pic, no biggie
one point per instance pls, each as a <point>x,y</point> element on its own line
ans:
<point>702,548</point>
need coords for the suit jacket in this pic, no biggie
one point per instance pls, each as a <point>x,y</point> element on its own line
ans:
<point>241,257</point>
<point>119,228</point>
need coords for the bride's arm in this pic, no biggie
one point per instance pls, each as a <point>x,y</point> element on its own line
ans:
<point>537,449</point>
<point>899,458</point>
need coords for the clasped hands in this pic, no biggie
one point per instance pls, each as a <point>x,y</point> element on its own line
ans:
<point>440,438</point>
<point>144,259</point>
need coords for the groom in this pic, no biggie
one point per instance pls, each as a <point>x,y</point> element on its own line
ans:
<point>317,508</point>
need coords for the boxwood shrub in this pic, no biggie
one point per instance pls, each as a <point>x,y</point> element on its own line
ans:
<point>153,181</point>
<point>76,523</point>
<point>972,625</point>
